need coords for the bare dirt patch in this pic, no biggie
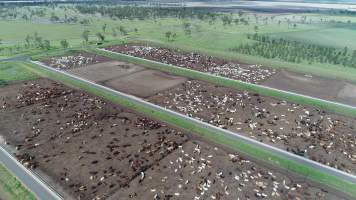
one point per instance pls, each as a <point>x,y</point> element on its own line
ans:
<point>93,149</point>
<point>105,70</point>
<point>329,89</point>
<point>234,70</point>
<point>145,83</point>
<point>326,138</point>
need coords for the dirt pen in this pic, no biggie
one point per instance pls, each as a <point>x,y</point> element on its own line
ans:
<point>329,89</point>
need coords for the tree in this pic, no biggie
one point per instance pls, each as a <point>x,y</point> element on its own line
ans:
<point>174,36</point>
<point>255,28</point>
<point>85,36</point>
<point>54,18</point>
<point>0,41</point>
<point>38,39</point>
<point>46,45</point>
<point>122,30</point>
<point>114,33</point>
<point>168,35</point>
<point>100,37</point>
<point>64,44</point>
<point>104,28</point>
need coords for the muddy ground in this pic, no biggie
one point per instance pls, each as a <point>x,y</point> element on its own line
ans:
<point>329,89</point>
<point>87,145</point>
<point>326,138</point>
<point>104,71</point>
<point>145,83</point>
<point>323,137</point>
<point>93,149</point>
<point>121,76</point>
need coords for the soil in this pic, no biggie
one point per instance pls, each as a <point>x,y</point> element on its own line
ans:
<point>328,89</point>
<point>234,70</point>
<point>105,70</point>
<point>199,171</point>
<point>145,83</point>
<point>122,76</point>
<point>89,146</point>
<point>93,149</point>
<point>323,137</point>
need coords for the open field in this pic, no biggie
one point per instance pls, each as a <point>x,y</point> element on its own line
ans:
<point>210,38</point>
<point>94,135</point>
<point>314,86</point>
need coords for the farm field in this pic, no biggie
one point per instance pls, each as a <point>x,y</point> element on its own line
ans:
<point>94,135</point>
<point>212,38</point>
<point>329,89</point>
<point>299,129</point>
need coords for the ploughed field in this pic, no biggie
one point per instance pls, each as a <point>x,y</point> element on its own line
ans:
<point>324,88</point>
<point>96,150</point>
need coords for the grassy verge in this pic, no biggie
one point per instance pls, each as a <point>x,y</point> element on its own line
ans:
<point>235,84</point>
<point>12,72</point>
<point>12,187</point>
<point>262,154</point>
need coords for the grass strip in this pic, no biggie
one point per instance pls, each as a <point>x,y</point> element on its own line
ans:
<point>13,188</point>
<point>214,135</point>
<point>235,84</point>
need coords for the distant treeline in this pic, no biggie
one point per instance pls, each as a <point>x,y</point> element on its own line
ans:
<point>296,52</point>
<point>333,12</point>
<point>131,12</point>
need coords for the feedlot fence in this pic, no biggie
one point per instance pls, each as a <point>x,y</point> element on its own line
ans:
<point>269,155</point>
<point>322,104</point>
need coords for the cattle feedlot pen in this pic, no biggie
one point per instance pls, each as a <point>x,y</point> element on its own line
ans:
<point>312,170</point>
<point>235,84</point>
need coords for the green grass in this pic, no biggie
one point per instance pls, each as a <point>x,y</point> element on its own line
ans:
<point>333,36</point>
<point>12,187</point>
<point>213,39</point>
<point>13,72</point>
<point>260,154</point>
<point>235,84</point>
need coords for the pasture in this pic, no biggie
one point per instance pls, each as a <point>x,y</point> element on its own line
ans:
<point>209,38</point>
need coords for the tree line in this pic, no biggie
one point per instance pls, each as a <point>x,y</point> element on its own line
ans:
<point>134,12</point>
<point>296,52</point>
